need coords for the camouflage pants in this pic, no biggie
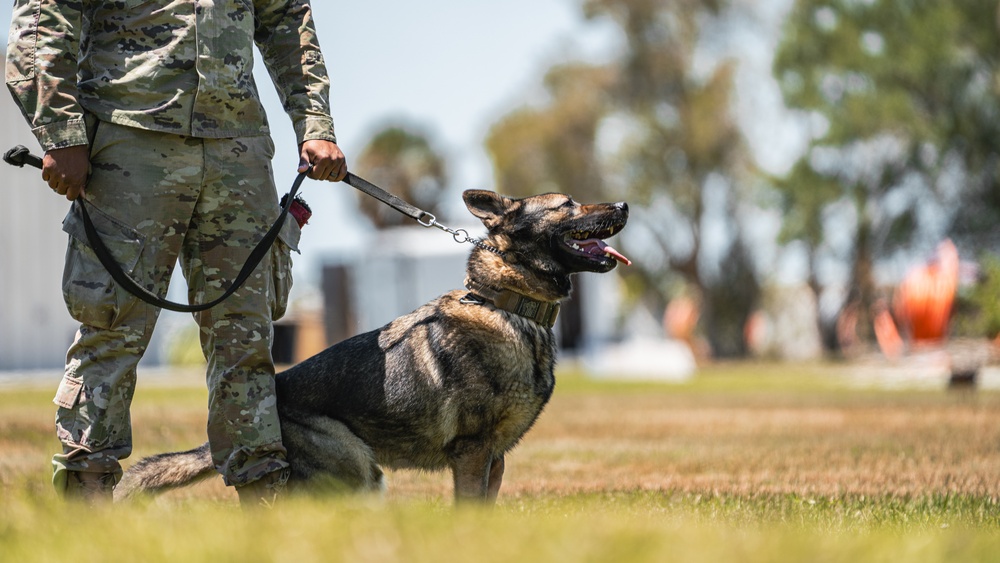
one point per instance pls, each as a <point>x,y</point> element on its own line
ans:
<point>156,198</point>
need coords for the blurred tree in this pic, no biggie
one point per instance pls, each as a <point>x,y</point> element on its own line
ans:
<point>657,129</point>
<point>977,312</point>
<point>401,160</point>
<point>552,148</point>
<point>903,97</point>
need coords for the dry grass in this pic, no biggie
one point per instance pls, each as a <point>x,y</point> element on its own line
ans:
<point>712,436</point>
<point>896,446</point>
<point>740,454</point>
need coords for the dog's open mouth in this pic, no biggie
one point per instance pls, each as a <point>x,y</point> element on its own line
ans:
<point>591,244</point>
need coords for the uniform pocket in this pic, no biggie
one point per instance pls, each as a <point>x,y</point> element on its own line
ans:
<point>68,394</point>
<point>91,295</point>
<point>281,266</point>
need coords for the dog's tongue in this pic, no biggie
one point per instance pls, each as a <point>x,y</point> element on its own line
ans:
<point>596,245</point>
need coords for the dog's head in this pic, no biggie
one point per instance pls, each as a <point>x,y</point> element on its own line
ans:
<point>551,230</point>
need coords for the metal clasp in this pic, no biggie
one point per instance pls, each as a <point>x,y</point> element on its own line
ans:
<point>460,235</point>
<point>430,222</point>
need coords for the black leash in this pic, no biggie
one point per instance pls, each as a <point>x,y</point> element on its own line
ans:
<point>130,285</point>
<point>20,156</point>
<point>424,218</point>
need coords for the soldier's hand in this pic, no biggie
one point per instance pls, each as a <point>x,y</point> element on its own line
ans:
<point>328,162</point>
<point>66,170</point>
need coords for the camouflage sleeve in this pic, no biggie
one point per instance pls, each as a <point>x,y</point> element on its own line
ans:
<point>286,36</point>
<point>42,69</point>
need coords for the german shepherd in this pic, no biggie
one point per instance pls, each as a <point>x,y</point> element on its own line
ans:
<point>454,384</point>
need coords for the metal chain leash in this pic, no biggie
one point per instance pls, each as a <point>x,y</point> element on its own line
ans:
<point>460,235</point>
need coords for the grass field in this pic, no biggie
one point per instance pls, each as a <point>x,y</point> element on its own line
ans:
<point>744,463</point>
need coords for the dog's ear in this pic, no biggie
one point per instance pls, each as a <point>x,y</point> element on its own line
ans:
<point>488,206</point>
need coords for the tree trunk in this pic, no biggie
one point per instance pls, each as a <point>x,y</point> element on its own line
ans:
<point>862,293</point>
<point>727,305</point>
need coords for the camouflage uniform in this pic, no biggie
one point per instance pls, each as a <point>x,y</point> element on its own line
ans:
<point>163,92</point>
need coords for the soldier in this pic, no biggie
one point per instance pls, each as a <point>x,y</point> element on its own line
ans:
<point>149,110</point>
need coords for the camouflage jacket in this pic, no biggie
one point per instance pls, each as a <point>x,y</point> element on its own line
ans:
<point>180,66</point>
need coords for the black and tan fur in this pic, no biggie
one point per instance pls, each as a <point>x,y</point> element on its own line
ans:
<point>454,384</point>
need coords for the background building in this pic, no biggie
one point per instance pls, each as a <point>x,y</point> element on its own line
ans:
<point>35,328</point>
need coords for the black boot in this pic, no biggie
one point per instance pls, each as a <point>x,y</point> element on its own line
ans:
<point>263,492</point>
<point>93,489</point>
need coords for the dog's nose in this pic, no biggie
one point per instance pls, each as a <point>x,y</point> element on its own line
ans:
<point>621,205</point>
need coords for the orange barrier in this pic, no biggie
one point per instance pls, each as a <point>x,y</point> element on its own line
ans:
<point>924,299</point>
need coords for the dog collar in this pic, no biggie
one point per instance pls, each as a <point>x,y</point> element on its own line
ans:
<point>542,312</point>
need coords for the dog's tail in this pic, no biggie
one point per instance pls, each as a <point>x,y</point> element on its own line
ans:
<point>162,472</point>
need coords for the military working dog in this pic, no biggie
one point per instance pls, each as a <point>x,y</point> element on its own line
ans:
<point>454,384</point>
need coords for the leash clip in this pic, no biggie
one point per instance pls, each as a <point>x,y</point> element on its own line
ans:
<point>430,222</point>
<point>460,235</point>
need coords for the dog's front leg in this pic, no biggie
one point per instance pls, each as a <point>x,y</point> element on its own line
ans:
<point>496,477</point>
<point>471,468</point>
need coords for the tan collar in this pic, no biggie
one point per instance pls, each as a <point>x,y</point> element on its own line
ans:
<point>542,312</point>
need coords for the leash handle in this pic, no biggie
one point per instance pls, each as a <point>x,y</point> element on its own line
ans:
<point>364,186</point>
<point>19,156</point>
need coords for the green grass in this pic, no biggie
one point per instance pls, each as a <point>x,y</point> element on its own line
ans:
<point>808,468</point>
<point>605,527</point>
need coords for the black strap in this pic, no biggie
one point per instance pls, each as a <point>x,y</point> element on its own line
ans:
<point>130,285</point>
<point>387,198</point>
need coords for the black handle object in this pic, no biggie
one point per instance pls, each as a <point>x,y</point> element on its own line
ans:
<point>19,156</point>
<point>385,197</point>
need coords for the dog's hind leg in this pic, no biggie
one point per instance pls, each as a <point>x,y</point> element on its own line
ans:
<point>324,453</point>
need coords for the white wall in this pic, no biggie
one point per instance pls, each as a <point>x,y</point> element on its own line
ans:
<point>35,328</point>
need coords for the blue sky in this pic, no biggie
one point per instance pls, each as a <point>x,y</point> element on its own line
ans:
<point>453,65</point>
